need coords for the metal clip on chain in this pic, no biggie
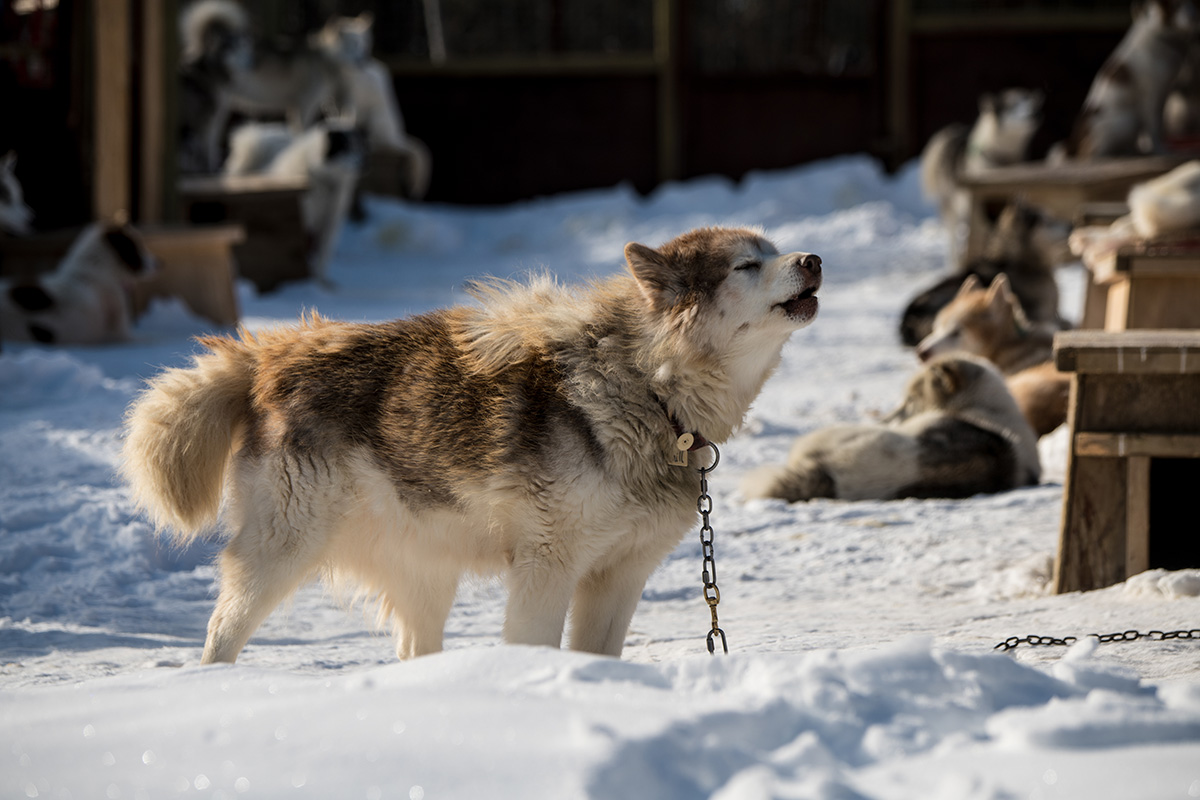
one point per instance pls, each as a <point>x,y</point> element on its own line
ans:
<point>712,595</point>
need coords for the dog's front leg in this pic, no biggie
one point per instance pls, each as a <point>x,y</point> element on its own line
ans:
<point>540,581</point>
<point>604,604</point>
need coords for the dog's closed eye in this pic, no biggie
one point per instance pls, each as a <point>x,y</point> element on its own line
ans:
<point>748,265</point>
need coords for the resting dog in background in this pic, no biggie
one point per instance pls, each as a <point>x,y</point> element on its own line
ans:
<point>15,216</point>
<point>328,155</point>
<point>528,435</point>
<point>989,322</point>
<point>1122,114</point>
<point>226,70</point>
<point>1000,137</point>
<point>1024,246</point>
<point>91,298</point>
<point>1164,205</point>
<point>957,433</point>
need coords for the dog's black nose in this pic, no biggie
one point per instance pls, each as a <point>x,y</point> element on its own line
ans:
<point>812,263</point>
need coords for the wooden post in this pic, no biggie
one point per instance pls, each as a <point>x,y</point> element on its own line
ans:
<point>1137,515</point>
<point>111,191</point>
<point>898,90</point>
<point>667,64</point>
<point>153,111</point>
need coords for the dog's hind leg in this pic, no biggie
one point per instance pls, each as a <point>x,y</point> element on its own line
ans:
<point>419,602</point>
<point>281,531</point>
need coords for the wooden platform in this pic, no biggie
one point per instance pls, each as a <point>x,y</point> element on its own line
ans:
<point>1134,460</point>
<point>1058,190</point>
<point>276,247</point>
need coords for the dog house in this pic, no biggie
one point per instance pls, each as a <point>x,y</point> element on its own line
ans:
<point>1134,457</point>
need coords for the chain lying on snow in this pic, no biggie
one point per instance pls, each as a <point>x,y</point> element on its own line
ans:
<point>1013,642</point>
<point>708,574</point>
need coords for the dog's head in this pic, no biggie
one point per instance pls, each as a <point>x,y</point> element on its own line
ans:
<point>722,284</point>
<point>1007,121</point>
<point>1179,15</point>
<point>348,38</point>
<point>15,216</point>
<point>977,320</point>
<point>88,298</point>
<point>951,382</point>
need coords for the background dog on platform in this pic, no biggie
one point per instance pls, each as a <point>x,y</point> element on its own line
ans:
<point>528,435</point>
<point>92,297</point>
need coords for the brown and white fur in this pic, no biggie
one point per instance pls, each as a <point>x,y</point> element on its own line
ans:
<point>1025,246</point>
<point>92,297</point>
<point>1000,137</point>
<point>527,435</point>
<point>989,322</point>
<point>15,216</point>
<point>957,433</point>
<point>1122,114</point>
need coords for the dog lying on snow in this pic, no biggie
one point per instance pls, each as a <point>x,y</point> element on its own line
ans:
<point>91,298</point>
<point>957,433</point>
<point>527,436</point>
<point>1022,245</point>
<point>989,322</point>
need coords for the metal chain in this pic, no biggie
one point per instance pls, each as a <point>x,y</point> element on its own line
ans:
<point>1013,642</point>
<point>708,574</point>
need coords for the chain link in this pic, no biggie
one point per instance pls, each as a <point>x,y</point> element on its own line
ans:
<point>1013,642</point>
<point>708,573</point>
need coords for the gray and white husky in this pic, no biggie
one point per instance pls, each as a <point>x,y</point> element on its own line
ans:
<point>957,433</point>
<point>1122,114</point>
<point>1000,136</point>
<point>528,435</point>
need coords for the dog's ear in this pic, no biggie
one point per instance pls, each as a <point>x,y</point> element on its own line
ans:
<point>987,103</point>
<point>654,275</point>
<point>9,162</point>
<point>1000,291</point>
<point>125,246</point>
<point>31,297</point>
<point>970,284</point>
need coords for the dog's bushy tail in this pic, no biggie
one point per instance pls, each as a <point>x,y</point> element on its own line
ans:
<point>180,432</point>
<point>788,482</point>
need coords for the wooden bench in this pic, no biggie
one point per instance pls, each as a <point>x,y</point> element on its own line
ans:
<point>1153,283</point>
<point>276,247</point>
<point>1057,190</point>
<point>1133,464</point>
<point>196,264</point>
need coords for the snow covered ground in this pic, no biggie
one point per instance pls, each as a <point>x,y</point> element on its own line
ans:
<point>861,634</point>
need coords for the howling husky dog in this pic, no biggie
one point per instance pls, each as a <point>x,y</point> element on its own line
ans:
<point>1000,136</point>
<point>1122,114</point>
<point>528,435</point>
<point>989,322</point>
<point>958,433</point>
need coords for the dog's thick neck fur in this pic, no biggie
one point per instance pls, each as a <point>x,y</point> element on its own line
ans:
<point>604,334</point>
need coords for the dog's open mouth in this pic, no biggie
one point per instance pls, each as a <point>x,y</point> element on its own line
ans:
<point>801,307</point>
